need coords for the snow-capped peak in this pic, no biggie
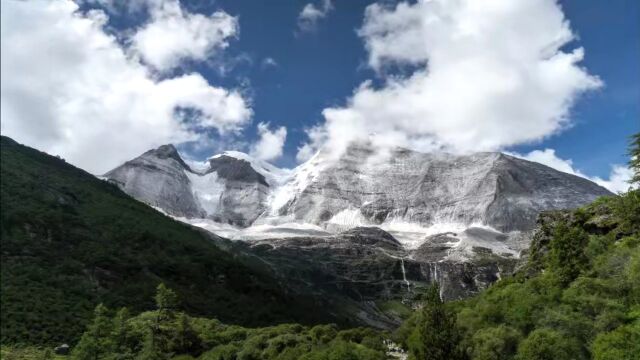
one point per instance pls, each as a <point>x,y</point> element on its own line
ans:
<point>274,176</point>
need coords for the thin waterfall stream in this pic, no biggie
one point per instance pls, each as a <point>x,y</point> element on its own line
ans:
<point>404,275</point>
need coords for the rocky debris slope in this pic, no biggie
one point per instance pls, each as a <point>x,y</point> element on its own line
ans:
<point>366,268</point>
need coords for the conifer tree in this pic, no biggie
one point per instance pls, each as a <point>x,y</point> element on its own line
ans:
<point>95,343</point>
<point>435,336</point>
<point>166,302</point>
<point>185,339</point>
<point>156,343</point>
<point>121,336</point>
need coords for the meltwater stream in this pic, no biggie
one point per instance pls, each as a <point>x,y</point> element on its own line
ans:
<point>404,275</point>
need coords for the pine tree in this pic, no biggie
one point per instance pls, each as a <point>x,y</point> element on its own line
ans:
<point>435,336</point>
<point>185,340</point>
<point>156,343</point>
<point>95,343</point>
<point>166,302</point>
<point>634,163</point>
<point>151,349</point>
<point>121,336</point>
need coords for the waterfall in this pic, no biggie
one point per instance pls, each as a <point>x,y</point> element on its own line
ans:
<point>434,278</point>
<point>404,275</point>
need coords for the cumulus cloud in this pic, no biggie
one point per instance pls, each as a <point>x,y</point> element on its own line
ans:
<point>618,178</point>
<point>269,145</point>
<point>68,88</point>
<point>311,14</point>
<point>486,75</point>
<point>173,35</point>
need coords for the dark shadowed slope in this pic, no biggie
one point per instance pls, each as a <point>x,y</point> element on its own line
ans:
<point>70,240</point>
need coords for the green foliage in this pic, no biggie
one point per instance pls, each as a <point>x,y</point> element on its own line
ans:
<point>166,300</point>
<point>96,342</point>
<point>634,163</point>
<point>70,241</point>
<point>495,343</point>
<point>622,343</point>
<point>435,336</point>
<point>122,336</point>
<point>566,256</point>
<point>185,339</point>
<point>578,297</point>
<point>167,334</point>
<point>28,353</point>
<point>548,344</point>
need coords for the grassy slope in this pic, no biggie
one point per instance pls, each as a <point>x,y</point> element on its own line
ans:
<point>69,240</point>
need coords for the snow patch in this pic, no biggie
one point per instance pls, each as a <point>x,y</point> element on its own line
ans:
<point>345,220</point>
<point>207,189</point>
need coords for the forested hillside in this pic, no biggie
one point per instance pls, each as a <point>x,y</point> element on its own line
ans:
<point>70,241</point>
<point>577,297</point>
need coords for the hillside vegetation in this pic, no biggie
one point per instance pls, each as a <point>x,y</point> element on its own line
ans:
<point>70,241</point>
<point>577,297</point>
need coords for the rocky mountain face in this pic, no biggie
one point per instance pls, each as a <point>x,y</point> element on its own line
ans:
<point>360,187</point>
<point>491,189</point>
<point>229,190</point>
<point>365,228</point>
<point>369,271</point>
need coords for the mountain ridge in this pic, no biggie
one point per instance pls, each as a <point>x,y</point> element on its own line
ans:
<point>487,188</point>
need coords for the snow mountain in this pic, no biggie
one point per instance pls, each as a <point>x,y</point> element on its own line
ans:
<point>364,227</point>
<point>411,195</point>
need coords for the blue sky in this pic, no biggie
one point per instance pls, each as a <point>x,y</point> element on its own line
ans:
<point>315,69</point>
<point>321,68</point>
<point>603,120</point>
<point>310,68</point>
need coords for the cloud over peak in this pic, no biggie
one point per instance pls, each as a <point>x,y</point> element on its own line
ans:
<point>488,75</point>
<point>81,96</point>
<point>270,143</point>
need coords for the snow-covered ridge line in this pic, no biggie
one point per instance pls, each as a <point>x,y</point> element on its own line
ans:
<point>411,195</point>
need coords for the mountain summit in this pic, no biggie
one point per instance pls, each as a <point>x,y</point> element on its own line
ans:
<point>402,191</point>
<point>367,225</point>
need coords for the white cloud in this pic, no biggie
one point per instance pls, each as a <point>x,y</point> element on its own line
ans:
<point>173,35</point>
<point>311,14</point>
<point>618,178</point>
<point>548,157</point>
<point>269,145</point>
<point>490,74</point>
<point>268,62</point>
<point>68,88</point>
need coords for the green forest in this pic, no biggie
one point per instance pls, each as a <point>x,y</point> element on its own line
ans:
<point>70,241</point>
<point>577,295</point>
